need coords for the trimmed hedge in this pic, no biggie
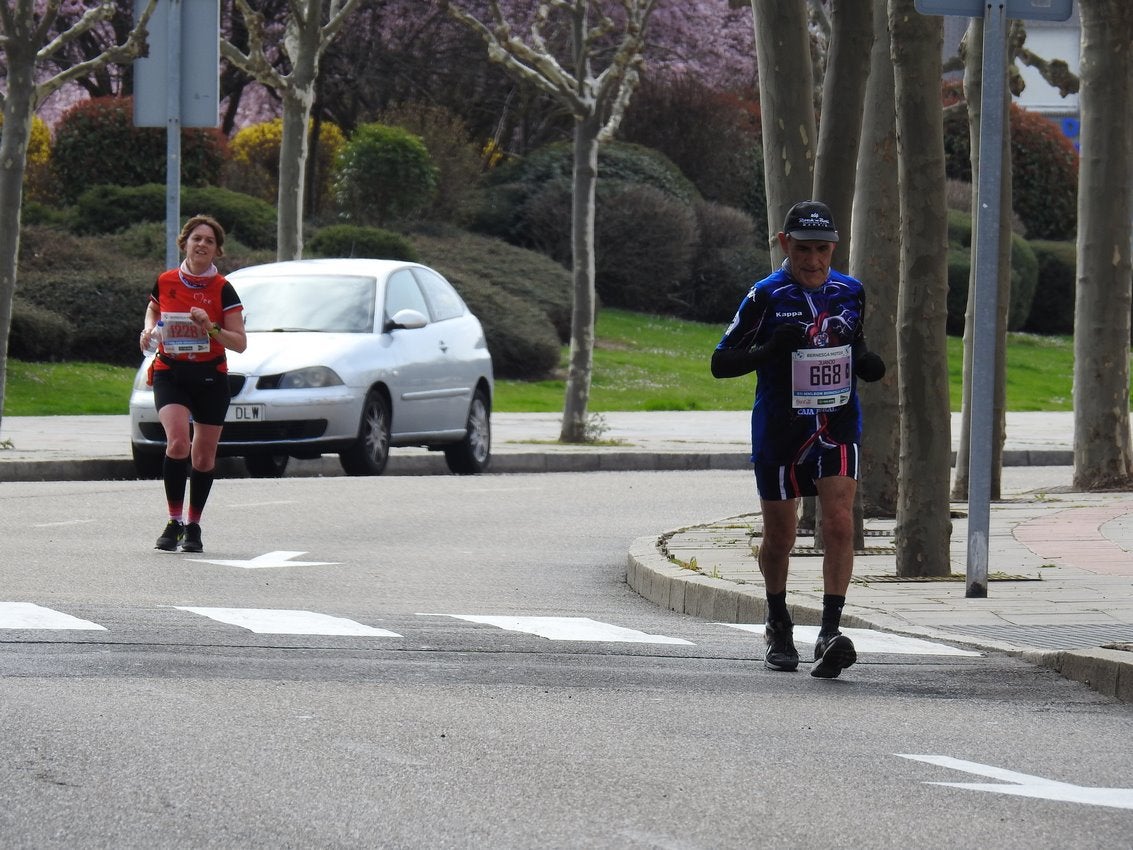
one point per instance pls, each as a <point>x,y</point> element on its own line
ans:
<point>1052,311</point>
<point>110,209</point>
<point>351,240</point>
<point>96,142</point>
<point>1024,275</point>
<point>528,275</point>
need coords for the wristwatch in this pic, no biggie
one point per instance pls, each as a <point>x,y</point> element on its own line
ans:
<point>214,331</point>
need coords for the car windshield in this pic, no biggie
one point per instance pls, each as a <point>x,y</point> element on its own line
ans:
<point>322,303</point>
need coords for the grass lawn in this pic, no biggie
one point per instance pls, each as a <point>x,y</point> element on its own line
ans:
<point>640,363</point>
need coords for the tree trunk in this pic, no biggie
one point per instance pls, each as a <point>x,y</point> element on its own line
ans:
<point>577,397</point>
<point>1103,457</point>
<point>303,48</point>
<point>843,95</point>
<point>973,91</point>
<point>923,510</point>
<point>18,110</point>
<point>875,254</point>
<point>786,87</point>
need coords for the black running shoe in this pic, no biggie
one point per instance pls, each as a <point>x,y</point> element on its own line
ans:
<point>781,653</point>
<point>192,541</point>
<point>172,535</point>
<point>832,654</point>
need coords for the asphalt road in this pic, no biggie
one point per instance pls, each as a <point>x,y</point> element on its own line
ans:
<point>164,722</point>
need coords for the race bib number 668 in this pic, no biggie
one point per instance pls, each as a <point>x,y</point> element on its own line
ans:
<point>821,377</point>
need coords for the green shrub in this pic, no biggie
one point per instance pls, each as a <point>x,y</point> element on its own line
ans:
<point>96,142</point>
<point>1024,275</point>
<point>1052,311</point>
<point>528,275</point>
<point>644,247</point>
<point>513,186</point>
<point>725,264</point>
<point>111,209</point>
<point>351,240</point>
<point>383,174</point>
<point>103,304</point>
<point>451,150</point>
<point>713,137</point>
<point>253,168</point>
<point>1044,170</point>
<point>38,334</point>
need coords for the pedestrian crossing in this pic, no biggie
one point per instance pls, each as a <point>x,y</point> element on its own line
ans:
<point>28,616</point>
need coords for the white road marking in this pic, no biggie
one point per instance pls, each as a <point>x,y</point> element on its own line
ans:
<point>1025,785</point>
<point>567,628</point>
<point>271,559</point>
<point>25,615</point>
<point>868,640</point>
<point>61,522</point>
<point>279,621</point>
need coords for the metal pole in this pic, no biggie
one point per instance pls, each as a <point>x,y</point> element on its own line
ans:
<point>173,136</point>
<point>985,292</point>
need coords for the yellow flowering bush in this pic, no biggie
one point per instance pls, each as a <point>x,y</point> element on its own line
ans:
<point>253,167</point>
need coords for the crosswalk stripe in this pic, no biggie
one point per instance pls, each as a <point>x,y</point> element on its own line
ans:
<point>867,640</point>
<point>25,615</point>
<point>280,621</point>
<point>568,628</point>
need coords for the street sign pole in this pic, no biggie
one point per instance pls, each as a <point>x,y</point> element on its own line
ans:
<point>173,134</point>
<point>985,293</point>
<point>176,86</point>
<point>985,286</point>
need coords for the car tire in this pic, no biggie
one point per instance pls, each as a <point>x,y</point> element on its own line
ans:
<point>266,466</point>
<point>472,455</point>
<point>370,453</point>
<point>148,464</point>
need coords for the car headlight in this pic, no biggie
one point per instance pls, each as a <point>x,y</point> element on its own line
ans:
<point>312,377</point>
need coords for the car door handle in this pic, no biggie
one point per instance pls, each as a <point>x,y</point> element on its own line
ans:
<point>443,347</point>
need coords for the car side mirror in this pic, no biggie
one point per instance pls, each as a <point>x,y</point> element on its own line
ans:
<point>407,319</point>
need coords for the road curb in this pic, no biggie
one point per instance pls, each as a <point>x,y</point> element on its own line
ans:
<point>653,576</point>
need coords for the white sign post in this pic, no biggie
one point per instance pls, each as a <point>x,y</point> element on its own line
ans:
<point>986,235</point>
<point>177,85</point>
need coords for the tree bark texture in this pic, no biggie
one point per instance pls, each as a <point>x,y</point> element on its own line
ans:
<point>924,523</point>
<point>874,258</point>
<point>786,85</point>
<point>1103,457</point>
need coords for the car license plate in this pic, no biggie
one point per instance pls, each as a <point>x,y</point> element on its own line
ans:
<point>245,413</point>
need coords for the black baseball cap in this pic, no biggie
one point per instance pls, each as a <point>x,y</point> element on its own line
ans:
<point>811,221</point>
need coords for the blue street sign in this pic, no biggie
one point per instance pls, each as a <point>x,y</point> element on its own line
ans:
<point>1027,10</point>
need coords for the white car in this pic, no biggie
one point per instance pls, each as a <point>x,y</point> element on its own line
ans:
<point>345,356</point>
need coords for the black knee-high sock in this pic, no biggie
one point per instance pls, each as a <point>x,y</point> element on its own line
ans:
<point>777,608</point>
<point>200,484</point>
<point>174,472</point>
<point>831,612</point>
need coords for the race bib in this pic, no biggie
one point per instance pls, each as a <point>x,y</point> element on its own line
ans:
<point>181,335</point>
<point>821,377</point>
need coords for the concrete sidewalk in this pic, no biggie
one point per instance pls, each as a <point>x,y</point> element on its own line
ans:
<point>1060,563</point>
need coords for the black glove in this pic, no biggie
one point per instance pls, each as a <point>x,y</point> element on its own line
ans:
<point>870,367</point>
<point>784,339</point>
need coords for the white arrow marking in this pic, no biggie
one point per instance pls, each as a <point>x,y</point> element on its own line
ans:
<point>868,640</point>
<point>567,628</point>
<point>26,615</point>
<point>1025,785</point>
<point>284,622</point>
<point>271,559</point>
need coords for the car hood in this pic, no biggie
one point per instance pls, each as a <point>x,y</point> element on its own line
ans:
<point>275,353</point>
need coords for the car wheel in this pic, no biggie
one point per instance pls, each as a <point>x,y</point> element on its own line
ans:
<point>148,464</point>
<point>368,456</point>
<point>473,454</point>
<point>266,466</point>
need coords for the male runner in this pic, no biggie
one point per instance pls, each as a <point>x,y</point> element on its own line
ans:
<point>800,330</point>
